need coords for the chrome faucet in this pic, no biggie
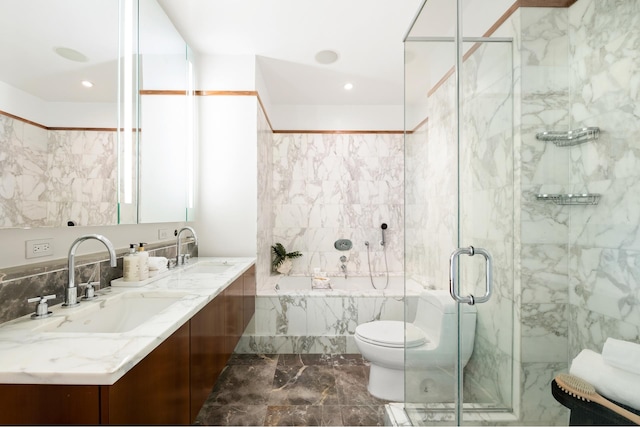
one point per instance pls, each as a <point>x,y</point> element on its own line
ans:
<point>71,292</point>
<point>343,267</point>
<point>179,258</point>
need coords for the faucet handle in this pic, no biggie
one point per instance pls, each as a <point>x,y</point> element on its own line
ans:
<point>89,290</point>
<point>42,309</point>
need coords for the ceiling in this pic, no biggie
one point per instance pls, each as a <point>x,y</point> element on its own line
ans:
<point>285,35</point>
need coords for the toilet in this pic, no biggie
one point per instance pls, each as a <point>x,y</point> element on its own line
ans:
<point>431,345</point>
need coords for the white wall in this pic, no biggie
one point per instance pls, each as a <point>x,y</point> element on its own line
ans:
<point>12,249</point>
<point>227,205</point>
<point>57,114</point>
<point>337,117</point>
<point>226,72</point>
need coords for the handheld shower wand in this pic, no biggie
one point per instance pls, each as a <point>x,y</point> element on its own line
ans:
<point>383,227</point>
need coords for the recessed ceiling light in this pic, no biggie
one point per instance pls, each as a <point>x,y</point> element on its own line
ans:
<point>327,56</point>
<point>70,54</point>
<point>87,83</point>
<point>348,86</point>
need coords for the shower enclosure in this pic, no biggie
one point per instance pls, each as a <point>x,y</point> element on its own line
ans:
<point>522,139</point>
<point>459,209</point>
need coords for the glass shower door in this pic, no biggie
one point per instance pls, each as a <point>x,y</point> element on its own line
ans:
<point>459,188</point>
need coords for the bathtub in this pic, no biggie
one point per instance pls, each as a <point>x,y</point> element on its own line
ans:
<point>293,318</point>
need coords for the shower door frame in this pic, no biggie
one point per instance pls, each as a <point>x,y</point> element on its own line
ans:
<point>457,409</point>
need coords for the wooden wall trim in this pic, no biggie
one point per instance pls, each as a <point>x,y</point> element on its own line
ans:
<point>510,11</point>
<point>11,116</point>
<point>546,3</point>
<point>344,132</point>
<point>162,92</point>
<point>506,15</point>
<point>226,93</point>
<point>264,111</point>
<point>86,129</point>
<point>79,129</point>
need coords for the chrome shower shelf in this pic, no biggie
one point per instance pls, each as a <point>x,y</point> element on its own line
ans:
<point>572,137</point>
<point>571,199</point>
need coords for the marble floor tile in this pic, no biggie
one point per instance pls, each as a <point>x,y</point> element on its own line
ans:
<point>232,415</point>
<point>304,385</point>
<point>362,415</point>
<point>243,385</point>
<point>293,390</point>
<point>301,415</point>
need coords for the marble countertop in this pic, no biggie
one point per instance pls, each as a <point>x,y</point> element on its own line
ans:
<point>33,352</point>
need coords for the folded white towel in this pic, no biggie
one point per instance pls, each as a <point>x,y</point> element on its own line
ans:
<point>610,382</point>
<point>157,262</point>
<point>622,355</point>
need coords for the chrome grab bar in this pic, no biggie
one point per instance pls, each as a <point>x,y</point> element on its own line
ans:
<point>453,275</point>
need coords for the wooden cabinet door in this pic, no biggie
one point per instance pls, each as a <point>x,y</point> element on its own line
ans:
<point>235,318</point>
<point>249,299</point>
<point>49,404</point>
<point>156,390</point>
<point>208,351</point>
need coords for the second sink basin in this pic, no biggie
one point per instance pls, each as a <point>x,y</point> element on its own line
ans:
<point>209,267</point>
<point>115,314</point>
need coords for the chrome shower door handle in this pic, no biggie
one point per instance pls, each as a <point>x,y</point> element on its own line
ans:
<point>453,275</point>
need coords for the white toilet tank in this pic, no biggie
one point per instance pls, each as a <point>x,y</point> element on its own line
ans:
<point>436,316</point>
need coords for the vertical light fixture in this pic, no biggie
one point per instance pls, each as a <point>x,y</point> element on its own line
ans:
<point>127,128</point>
<point>190,169</point>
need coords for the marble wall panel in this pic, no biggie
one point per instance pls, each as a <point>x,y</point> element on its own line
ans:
<point>17,284</point>
<point>544,329</point>
<point>538,405</point>
<point>52,176</point>
<point>331,186</point>
<point>589,329</point>
<point>603,239</point>
<point>317,323</point>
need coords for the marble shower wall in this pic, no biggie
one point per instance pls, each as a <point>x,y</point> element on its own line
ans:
<point>544,227</point>
<point>49,177</point>
<point>339,186</point>
<point>604,241</point>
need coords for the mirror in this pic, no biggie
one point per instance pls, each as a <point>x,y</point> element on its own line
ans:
<point>59,140</point>
<point>167,111</point>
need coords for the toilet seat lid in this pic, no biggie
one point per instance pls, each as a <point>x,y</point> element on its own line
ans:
<point>391,333</point>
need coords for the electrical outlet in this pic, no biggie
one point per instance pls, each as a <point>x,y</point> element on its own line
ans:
<point>39,248</point>
<point>164,234</point>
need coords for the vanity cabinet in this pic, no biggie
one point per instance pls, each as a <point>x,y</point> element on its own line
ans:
<point>208,351</point>
<point>156,390</point>
<point>49,404</point>
<point>249,298</point>
<point>234,296</point>
<point>169,386</point>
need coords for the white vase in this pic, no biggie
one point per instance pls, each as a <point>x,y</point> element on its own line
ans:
<point>285,267</point>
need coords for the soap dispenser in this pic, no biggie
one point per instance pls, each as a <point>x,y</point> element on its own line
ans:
<point>131,265</point>
<point>144,262</point>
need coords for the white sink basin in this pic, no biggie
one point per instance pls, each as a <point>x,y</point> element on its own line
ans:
<point>209,267</point>
<point>115,314</point>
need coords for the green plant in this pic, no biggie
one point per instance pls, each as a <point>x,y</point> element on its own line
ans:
<point>280,254</point>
